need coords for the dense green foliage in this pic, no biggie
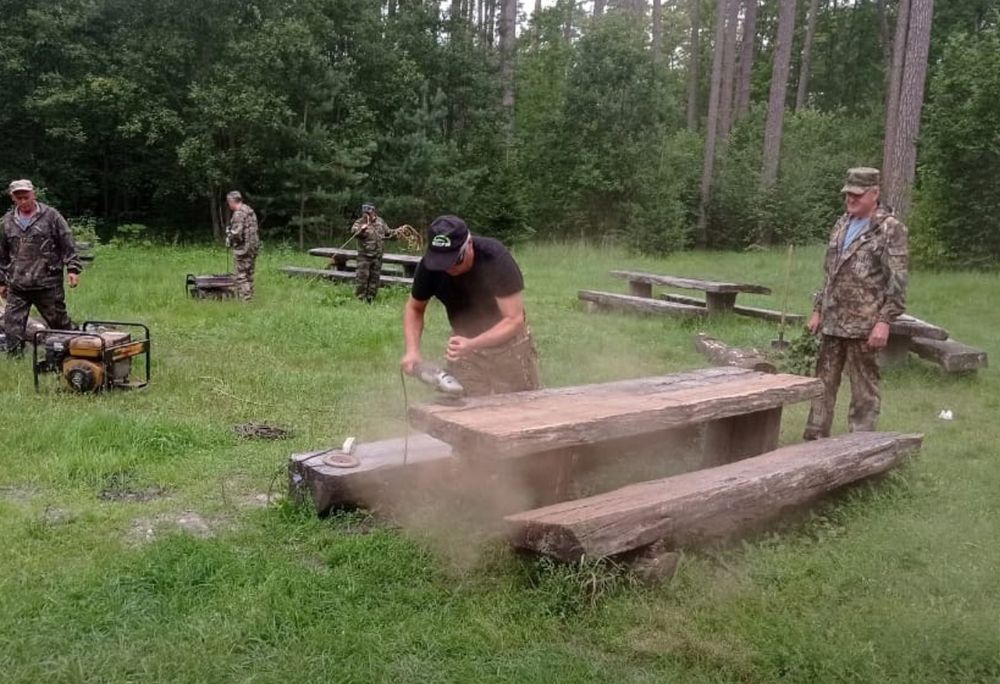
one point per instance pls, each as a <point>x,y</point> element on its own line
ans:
<point>958,212</point>
<point>145,112</point>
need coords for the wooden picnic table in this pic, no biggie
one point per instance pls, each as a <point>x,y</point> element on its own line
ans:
<point>741,410</point>
<point>720,297</point>
<point>340,257</point>
<point>901,333</point>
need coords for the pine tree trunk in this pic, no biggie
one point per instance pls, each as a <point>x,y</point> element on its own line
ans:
<point>779,88</point>
<point>491,22</point>
<point>728,71</point>
<point>508,27</point>
<point>802,94</point>
<point>657,32</point>
<point>694,61</point>
<point>911,101</point>
<point>892,93</point>
<point>747,47</point>
<point>568,23</point>
<point>712,123</point>
<point>599,7</point>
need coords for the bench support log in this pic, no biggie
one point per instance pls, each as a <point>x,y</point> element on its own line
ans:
<point>719,303</point>
<point>732,439</point>
<point>896,351</point>
<point>640,289</point>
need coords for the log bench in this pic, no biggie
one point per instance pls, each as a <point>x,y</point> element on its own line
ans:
<point>610,301</point>
<point>341,276</point>
<point>709,504</point>
<point>720,297</point>
<point>346,259</point>
<point>901,331</point>
<point>740,410</point>
<point>951,355</point>
<point>751,311</point>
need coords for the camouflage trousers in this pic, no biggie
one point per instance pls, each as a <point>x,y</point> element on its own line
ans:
<point>368,276</point>
<point>51,304</point>
<point>245,266</point>
<point>510,367</point>
<point>861,362</point>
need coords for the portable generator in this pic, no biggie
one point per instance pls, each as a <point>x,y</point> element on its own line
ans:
<point>101,355</point>
<point>217,286</point>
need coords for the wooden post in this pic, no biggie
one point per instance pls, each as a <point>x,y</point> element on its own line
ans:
<point>739,437</point>
<point>639,289</point>
<point>719,303</point>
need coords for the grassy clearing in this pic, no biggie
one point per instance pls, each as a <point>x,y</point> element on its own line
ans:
<point>895,582</point>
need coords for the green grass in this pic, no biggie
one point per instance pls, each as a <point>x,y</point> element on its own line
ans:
<point>896,581</point>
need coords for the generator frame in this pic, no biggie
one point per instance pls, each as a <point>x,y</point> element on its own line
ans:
<point>107,355</point>
<point>213,286</point>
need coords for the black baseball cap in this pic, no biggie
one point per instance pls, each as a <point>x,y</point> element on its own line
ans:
<point>445,239</point>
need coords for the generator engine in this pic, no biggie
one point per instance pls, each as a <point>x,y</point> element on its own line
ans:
<point>97,357</point>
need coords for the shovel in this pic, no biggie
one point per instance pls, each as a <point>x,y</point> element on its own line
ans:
<point>781,343</point>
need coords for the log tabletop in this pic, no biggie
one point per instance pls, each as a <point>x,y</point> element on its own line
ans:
<point>510,425</point>
<point>691,283</point>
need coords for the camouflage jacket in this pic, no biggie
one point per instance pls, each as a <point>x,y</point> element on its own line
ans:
<point>866,283</point>
<point>371,236</point>
<point>242,234</point>
<point>33,258</point>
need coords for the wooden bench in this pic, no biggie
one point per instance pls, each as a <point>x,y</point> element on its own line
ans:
<point>951,355</point>
<point>340,258</point>
<point>751,311</point>
<point>720,297</point>
<point>709,504</point>
<point>901,332</point>
<point>610,301</point>
<point>341,276</point>
<point>740,409</point>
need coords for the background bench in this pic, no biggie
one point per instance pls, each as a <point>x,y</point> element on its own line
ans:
<point>341,258</point>
<point>720,297</point>
<point>341,276</point>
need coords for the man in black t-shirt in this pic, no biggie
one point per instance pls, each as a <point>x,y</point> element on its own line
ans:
<point>490,350</point>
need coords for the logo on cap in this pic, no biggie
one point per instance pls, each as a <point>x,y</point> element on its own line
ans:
<point>441,241</point>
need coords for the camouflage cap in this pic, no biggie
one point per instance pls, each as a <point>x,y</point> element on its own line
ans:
<point>20,186</point>
<point>861,180</point>
<point>234,195</point>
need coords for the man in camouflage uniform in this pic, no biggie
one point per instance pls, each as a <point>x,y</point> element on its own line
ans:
<point>243,237</point>
<point>371,232</point>
<point>864,291</point>
<point>35,248</point>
